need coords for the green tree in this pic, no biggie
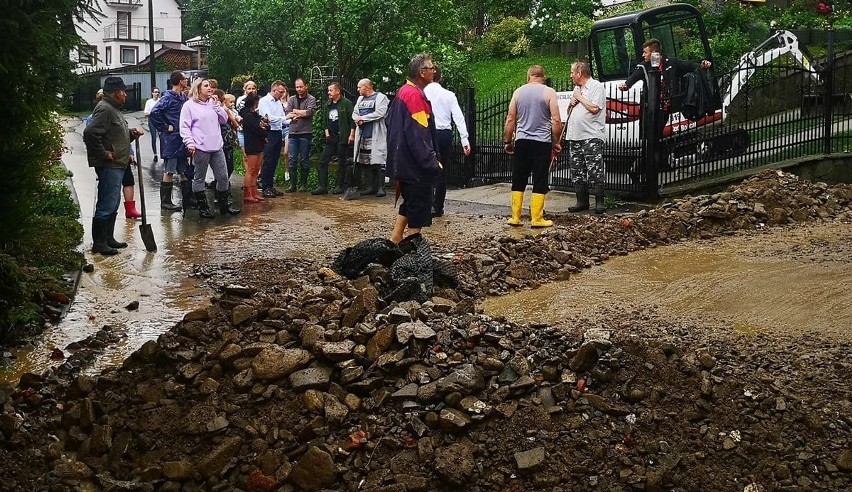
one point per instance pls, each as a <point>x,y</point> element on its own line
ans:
<point>285,38</point>
<point>35,40</point>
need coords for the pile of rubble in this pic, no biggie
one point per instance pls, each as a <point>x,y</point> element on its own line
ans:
<point>313,381</point>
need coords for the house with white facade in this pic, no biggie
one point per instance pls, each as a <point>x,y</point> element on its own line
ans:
<point>120,38</point>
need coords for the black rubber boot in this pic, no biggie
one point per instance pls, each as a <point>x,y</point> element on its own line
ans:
<point>340,179</point>
<point>582,191</point>
<point>166,197</point>
<point>372,181</point>
<point>322,177</point>
<point>303,179</point>
<point>225,208</point>
<point>186,197</point>
<point>381,184</point>
<point>110,231</point>
<point>99,244</point>
<point>600,206</point>
<point>294,173</point>
<point>203,207</point>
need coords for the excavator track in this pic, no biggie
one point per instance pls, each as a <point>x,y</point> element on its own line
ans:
<point>708,147</point>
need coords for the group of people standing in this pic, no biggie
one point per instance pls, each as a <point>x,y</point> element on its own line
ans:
<point>195,126</point>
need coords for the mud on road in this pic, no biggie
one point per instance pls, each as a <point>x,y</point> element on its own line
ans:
<point>650,385</point>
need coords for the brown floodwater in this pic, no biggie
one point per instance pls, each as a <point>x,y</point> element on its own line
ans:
<point>796,281</point>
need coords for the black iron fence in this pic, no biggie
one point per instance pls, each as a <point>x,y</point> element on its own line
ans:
<point>775,112</point>
<point>85,95</point>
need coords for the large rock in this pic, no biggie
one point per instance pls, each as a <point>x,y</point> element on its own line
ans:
<point>467,379</point>
<point>529,460</point>
<point>242,314</point>
<point>454,464</point>
<point>314,471</point>
<point>276,362</point>
<point>213,463</point>
<point>417,329</point>
<point>379,343</point>
<point>338,351</point>
<point>311,378</point>
<point>101,440</point>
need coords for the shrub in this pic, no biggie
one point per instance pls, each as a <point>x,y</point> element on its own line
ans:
<point>15,296</point>
<point>505,39</point>
<point>559,21</point>
<point>54,200</point>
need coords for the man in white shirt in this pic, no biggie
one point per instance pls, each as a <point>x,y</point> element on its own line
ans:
<point>272,109</point>
<point>446,110</point>
<point>586,132</point>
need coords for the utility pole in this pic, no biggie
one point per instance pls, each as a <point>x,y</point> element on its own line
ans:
<point>151,43</point>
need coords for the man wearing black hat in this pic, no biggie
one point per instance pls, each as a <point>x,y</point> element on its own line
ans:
<point>107,141</point>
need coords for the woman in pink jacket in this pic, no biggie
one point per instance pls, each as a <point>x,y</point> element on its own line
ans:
<point>199,128</point>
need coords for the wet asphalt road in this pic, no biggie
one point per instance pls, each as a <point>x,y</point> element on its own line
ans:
<point>299,225</point>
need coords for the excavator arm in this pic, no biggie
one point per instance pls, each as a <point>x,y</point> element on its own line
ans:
<point>776,46</point>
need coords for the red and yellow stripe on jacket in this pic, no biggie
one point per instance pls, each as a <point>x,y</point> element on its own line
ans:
<point>412,157</point>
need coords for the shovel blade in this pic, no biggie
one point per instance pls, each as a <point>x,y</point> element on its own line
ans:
<point>148,237</point>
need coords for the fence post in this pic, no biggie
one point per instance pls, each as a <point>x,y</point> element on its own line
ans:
<point>652,133</point>
<point>828,97</point>
<point>470,120</point>
<point>138,88</point>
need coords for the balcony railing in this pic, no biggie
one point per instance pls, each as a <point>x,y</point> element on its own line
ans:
<point>124,3</point>
<point>117,31</point>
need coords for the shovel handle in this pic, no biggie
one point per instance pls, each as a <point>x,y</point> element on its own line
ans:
<point>141,185</point>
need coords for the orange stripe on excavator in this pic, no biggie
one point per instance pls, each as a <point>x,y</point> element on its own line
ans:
<point>621,112</point>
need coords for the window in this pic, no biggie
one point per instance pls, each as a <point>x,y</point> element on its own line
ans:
<point>108,55</point>
<point>613,53</point>
<point>123,22</point>
<point>87,55</point>
<point>128,55</point>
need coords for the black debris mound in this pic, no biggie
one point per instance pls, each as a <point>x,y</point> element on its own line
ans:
<point>412,270</point>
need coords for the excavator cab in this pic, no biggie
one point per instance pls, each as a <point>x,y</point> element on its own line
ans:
<point>615,44</point>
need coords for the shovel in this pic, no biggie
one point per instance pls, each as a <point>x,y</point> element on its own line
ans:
<point>144,227</point>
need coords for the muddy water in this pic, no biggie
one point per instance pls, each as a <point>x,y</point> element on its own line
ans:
<point>786,282</point>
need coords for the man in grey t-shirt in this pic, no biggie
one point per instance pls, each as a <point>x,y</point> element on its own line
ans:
<point>532,134</point>
<point>586,131</point>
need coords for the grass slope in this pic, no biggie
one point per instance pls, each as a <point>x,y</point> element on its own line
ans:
<point>493,77</point>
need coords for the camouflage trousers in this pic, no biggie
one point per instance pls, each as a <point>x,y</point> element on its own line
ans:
<point>587,163</point>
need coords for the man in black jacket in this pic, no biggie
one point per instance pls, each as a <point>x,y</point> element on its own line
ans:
<point>671,69</point>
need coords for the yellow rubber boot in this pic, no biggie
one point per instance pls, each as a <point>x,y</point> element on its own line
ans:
<point>537,211</point>
<point>517,206</point>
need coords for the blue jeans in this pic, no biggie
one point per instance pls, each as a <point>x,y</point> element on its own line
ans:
<point>109,191</point>
<point>153,131</point>
<point>300,146</point>
<point>271,156</point>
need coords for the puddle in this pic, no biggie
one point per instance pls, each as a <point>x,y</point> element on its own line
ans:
<point>755,288</point>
